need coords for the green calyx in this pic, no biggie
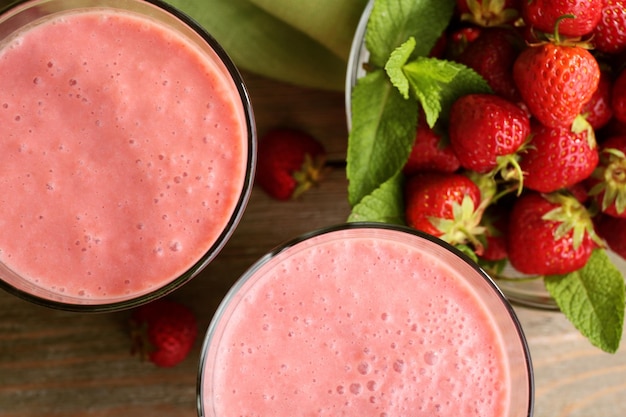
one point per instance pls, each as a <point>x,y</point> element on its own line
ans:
<point>571,216</point>
<point>558,39</point>
<point>309,175</point>
<point>611,174</point>
<point>465,226</point>
<point>488,13</point>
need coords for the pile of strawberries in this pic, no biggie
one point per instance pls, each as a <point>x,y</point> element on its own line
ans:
<point>536,172</point>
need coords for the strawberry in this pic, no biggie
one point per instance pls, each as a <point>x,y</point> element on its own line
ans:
<point>549,234</point>
<point>608,181</point>
<point>555,81</point>
<point>488,12</point>
<point>558,158</point>
<point>486,131</point>
<point>492,55</point>
<point>289,163</point>
<point>609,35</point>
<point>618,97</point>
<point>544,15</point>
<point>613,231</point>
<point>598,110</point>
<point>431,152</point>
<point>444,205</point>
<point>459,39</point>
<point>165,330</point>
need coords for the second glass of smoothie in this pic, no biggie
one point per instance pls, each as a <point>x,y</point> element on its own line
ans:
<point>127,151</point>
<point>368,320</point>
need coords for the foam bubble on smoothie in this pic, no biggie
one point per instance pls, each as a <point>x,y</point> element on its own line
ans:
<point>390,334</point>
<point>118,159</point>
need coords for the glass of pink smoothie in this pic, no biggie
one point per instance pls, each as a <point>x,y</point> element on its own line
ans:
<point>127,151</point>
<point>366,320</point>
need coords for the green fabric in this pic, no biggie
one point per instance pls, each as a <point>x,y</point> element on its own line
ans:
<point>303,42</point>
<point>297,41</point>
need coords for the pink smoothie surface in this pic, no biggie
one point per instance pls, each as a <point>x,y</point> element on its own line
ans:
<point>356,327</point>
<point>122,155</point>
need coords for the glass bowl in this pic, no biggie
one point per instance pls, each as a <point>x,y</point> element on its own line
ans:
<point>129,149</point>
<point>523,291</point>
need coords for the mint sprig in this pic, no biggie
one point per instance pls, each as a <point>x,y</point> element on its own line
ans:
<point>386,101</point>
<point>381,137</point>
<point>436,83</point>
<point>392,22</point>
<point>593,299</point>
<point>403,80</point>
<point>383,205</point>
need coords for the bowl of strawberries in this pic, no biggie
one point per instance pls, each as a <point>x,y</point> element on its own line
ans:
<point>500,128</point>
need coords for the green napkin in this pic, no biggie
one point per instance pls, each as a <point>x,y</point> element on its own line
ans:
<point>303,42</point>
<point>297,41</point>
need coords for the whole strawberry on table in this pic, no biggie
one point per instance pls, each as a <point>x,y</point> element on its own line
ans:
<point>163,331</point>
<point>509,119</point>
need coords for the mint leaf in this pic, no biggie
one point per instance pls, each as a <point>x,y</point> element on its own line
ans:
<point>593,300</point>
<point>381,136</point>
<point>392,22</point>
<point>384,205</point>
<point>437,84</point>
<point>395,63</point>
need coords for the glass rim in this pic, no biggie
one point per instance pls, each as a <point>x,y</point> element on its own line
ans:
<point>105,305</point>
<point>281,248</point>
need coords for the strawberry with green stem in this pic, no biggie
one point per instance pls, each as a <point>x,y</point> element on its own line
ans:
<point>550,234</point>
<point>556,79</point>
<point>487,133</point>
<point>445,205</point>
<point>557,157</point>
<point>164,331</point>
<point>289,163</point>
<point>608,180</point>
<point>544,14</point>
<point>488,12</point>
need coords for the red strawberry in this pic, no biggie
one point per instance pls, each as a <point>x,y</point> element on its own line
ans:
<point>486,131</point>
<point>549,234</point>
<point>598,110</point>
<point>289,163</point>
<point>431,152</point>
<point>555,81</point>
<point>618,97</point>
<point>613,231</point>
<point>459,39</point>
<point>165,330</point>
<point>447,206</point>
<point>544,15</point>
<point>558,158</point>
<point>488,12</point>
<point>609,178</point>
<point>492,56</point>
<point>609,36</point>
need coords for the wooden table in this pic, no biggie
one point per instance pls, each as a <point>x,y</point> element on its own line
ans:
<point>56,363</point>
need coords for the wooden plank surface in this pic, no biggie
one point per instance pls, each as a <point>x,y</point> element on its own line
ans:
<point>55,363</point>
